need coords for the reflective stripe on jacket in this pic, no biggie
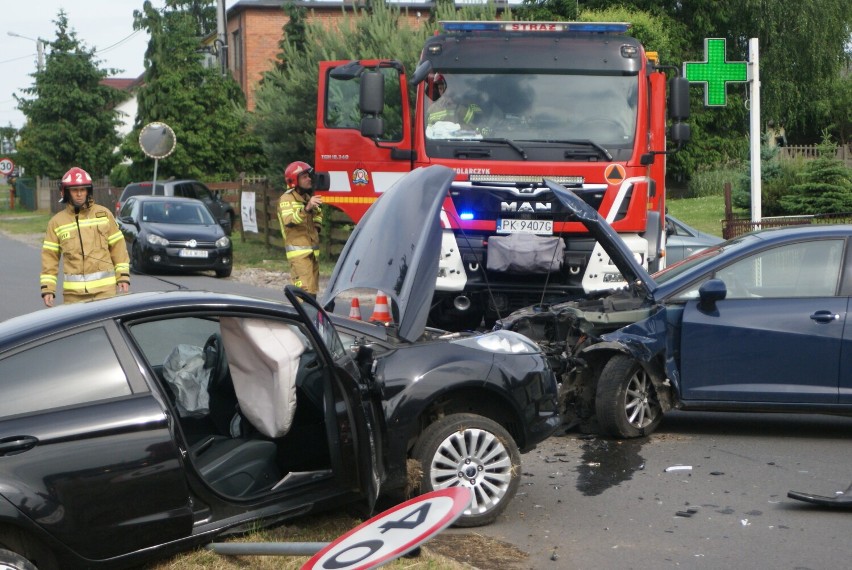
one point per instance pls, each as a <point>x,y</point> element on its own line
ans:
<point>94,255</point>
<point>298,226</point>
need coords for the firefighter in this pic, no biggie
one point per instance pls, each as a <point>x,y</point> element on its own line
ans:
<point>467,115</point>
<point>300,216</point>
<point>92,248</point>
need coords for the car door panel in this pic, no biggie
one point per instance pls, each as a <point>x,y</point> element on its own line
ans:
<point>762,350</point>
<point>845,376</point>
<point>120,471</point>
<point>354,439</point>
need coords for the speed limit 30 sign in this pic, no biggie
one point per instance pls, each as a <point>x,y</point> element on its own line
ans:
<point>6,166</point>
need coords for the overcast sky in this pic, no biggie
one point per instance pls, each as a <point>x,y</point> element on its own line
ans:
<point>106,25</point>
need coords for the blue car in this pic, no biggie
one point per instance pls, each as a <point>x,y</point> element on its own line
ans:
<point>755,324</point>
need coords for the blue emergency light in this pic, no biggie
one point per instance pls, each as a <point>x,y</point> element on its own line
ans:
<point>517,26</point>
<point>466,215</point>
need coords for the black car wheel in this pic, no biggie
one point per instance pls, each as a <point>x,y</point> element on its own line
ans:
<point>12,561</point>
<point>626,401</point>
<point>471,451</point>
<point>224,272</point>
<point>136,263</point>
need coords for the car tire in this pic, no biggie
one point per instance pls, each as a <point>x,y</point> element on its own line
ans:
<point>626,401</point>
<point>470,443</point>
<point>224,272</point>
<point>13,561</point>
<point>136,264</point>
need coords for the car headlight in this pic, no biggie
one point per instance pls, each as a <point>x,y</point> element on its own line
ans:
<point>508,342</point>
<point>223,242</point>
<point>157,240</point>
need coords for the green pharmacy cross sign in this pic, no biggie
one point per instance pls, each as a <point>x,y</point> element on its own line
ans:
<point>715,72</point>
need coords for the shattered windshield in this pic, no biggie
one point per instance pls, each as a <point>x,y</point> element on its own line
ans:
<point>532,107</point>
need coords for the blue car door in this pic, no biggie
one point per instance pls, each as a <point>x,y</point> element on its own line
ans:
<point>777,336</point>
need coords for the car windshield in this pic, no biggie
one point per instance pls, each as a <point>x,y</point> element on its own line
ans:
<point>185,213</point>
<point>523,108</point>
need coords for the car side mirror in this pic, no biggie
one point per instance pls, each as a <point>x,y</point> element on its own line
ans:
<point>128,220</point>
<point>710,292</point>
<point>670,228</point>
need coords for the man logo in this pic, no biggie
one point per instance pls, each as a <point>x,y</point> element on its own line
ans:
<point>526,207</point>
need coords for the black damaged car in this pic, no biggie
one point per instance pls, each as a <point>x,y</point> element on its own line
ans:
<point>146,424</point>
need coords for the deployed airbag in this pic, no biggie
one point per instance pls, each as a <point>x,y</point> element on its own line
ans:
<point>186,376</point>
<point>263,357</point>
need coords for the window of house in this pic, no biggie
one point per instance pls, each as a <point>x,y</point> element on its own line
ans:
<point>236,48</point>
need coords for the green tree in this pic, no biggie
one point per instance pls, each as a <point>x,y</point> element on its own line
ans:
<point>547,11</point>
<point>826,185</point>
<point>71,116</point>
<point>205,109</point>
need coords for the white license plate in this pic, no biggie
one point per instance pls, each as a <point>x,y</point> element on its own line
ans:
<point>524,226</point>
<point>193,253</point>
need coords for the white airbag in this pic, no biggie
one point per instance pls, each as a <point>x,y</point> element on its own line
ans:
<point>263,357</point>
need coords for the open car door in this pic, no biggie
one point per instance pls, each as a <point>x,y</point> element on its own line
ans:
<point>352,419</point>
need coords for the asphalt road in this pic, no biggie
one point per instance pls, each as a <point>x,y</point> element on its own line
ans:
<point>598,503</point>
<point>21,265</point>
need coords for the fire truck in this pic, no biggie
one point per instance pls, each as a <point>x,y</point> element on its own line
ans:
<point>506,105</point>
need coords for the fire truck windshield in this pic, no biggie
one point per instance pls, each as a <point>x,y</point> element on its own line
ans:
<point>524,107</point>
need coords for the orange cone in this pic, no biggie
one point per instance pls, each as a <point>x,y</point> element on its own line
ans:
<point>355,309</point>
<point>381,313</point>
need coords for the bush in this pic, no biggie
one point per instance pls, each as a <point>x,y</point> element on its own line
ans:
<point>823,186</point>
<point>777,177</point>
<point>712,182</point>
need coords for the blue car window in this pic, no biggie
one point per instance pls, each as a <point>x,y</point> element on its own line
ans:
<point>31,381</point>
<point>803,269</point>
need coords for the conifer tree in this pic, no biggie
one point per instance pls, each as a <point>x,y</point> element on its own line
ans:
<point>71,116</point>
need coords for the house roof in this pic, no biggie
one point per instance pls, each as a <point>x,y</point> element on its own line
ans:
<point>241,5</point>
<point>123,83</point>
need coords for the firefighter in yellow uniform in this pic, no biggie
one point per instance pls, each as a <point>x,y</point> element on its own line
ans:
<point>92,248</point>
<point>300,216</point>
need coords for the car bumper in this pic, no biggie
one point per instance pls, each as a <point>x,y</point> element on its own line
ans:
<point>170,258</point>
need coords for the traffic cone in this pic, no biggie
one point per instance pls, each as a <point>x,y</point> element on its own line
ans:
<point>355,309</point>
<point>381,313</point>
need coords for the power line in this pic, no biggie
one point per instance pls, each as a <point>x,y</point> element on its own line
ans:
<point>18,58</point>
<point>117,44</point>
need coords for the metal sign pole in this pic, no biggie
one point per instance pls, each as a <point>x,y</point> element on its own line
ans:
<point>154,183</point>
<point>754,98</point>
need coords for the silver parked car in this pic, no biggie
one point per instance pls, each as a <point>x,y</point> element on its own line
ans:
<point>683,240</point>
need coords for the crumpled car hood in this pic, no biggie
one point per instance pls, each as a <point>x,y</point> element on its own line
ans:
<point>395,248</point>
<point>632,271</point>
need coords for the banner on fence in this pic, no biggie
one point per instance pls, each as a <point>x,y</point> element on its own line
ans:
<point>248,211</point>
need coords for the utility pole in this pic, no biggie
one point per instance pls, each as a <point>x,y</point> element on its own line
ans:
<point>39,48</point>
<point>222,37</point>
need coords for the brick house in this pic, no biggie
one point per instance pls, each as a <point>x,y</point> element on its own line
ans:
<point>255,27</point>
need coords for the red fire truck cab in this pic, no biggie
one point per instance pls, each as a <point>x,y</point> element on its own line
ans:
<point>507,104</point>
